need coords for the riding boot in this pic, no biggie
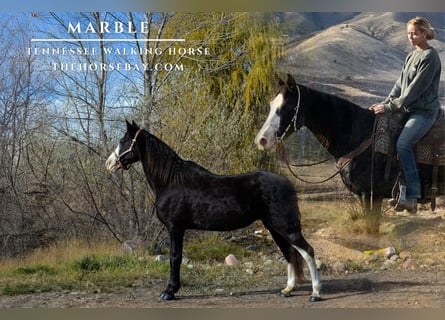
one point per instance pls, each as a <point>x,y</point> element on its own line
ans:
<point>409,204</point>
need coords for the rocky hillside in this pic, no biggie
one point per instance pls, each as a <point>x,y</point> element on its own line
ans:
<point>357,55</point>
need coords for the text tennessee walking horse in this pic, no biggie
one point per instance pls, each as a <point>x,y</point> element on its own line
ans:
<point>342,128</point>
<point>190,197</point>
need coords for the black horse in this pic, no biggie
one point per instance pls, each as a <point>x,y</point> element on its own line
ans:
<point>345,130</point>
<point>190,197</point>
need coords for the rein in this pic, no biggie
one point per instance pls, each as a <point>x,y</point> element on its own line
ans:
<point>282,153</point>
<point>341,163</point>
<point>130,149</point>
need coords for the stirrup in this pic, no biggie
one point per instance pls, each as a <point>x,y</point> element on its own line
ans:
<point>393,202</point>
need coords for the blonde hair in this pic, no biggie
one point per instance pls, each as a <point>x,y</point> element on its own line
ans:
<point>424,25</point>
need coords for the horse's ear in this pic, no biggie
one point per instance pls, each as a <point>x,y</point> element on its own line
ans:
<point>131,127</point>
<point>290,82</point>
<point>128,124</point>
<point>278,80</point>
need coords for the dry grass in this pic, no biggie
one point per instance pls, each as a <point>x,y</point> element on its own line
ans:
<point>104,267</point>
<point>69,265</point>
<point>62,252</point>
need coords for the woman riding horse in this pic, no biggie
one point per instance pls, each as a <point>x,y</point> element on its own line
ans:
<point>415,93</point>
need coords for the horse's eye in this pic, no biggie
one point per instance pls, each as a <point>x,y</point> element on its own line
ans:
<point>277,112</point>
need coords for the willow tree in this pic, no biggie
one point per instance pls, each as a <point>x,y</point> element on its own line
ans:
<point>219,94</point>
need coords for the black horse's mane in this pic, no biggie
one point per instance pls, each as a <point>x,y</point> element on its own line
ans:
<point>164,164</point>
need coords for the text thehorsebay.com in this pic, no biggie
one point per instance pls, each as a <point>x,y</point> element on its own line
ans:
<point>58,53</point>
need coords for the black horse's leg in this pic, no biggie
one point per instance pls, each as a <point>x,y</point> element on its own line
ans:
<point>285,228</point>
<point>307,252</point>
<point>296,241</point>
<point>176,239</point>
<point>294,269</point>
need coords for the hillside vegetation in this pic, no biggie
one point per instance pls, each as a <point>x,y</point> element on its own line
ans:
<point>359,57</point>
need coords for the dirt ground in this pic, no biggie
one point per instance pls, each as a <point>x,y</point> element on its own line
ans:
<point>375,289</point>
<point>418,283</point>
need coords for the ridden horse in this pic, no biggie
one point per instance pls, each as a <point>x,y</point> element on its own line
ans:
<point>187,196</point>
<point>344,129</point>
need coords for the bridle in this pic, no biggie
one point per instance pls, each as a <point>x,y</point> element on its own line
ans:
<point>130,149</point>
<point>341,163</point>
<point>282,151</point>
<point>293,120</point>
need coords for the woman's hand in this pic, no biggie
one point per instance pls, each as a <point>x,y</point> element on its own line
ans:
<point>377,108</point>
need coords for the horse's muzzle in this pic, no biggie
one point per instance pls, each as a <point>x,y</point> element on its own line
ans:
<point>112,164</point>
<point>265,144</point>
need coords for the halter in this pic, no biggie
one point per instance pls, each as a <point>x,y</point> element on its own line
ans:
<point>130,149</point>
<point>294,118</point>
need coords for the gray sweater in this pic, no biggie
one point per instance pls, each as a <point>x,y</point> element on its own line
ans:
<point>417,88</point>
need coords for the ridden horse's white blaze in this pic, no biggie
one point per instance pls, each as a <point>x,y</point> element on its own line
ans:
<point>316,284</point>
<point>112,161</point>
<point>266,137</point>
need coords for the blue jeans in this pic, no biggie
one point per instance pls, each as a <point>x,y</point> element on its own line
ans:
<point>415,128</point>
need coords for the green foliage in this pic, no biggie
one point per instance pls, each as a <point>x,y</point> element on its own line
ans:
<point>88,264</point>
<point>97,272</point>
<point>106,270</point>
<point>107,263</point>
<point>35,269</point>
<point>213,249</point>
<point>25,288</point>
<point>355,266</point>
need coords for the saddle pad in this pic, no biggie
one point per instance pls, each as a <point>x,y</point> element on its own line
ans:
<point>387,130</point>
<point>382,139</point>
<point>430,146</point>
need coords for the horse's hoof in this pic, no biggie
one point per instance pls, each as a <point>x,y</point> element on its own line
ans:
<point>284,295</point>
<point>167,297</point>
<point>315,299</point>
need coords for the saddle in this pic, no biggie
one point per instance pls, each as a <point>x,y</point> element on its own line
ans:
<point>430,150</point>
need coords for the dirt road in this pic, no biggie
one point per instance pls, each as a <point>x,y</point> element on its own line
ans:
<point>374,289</point>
